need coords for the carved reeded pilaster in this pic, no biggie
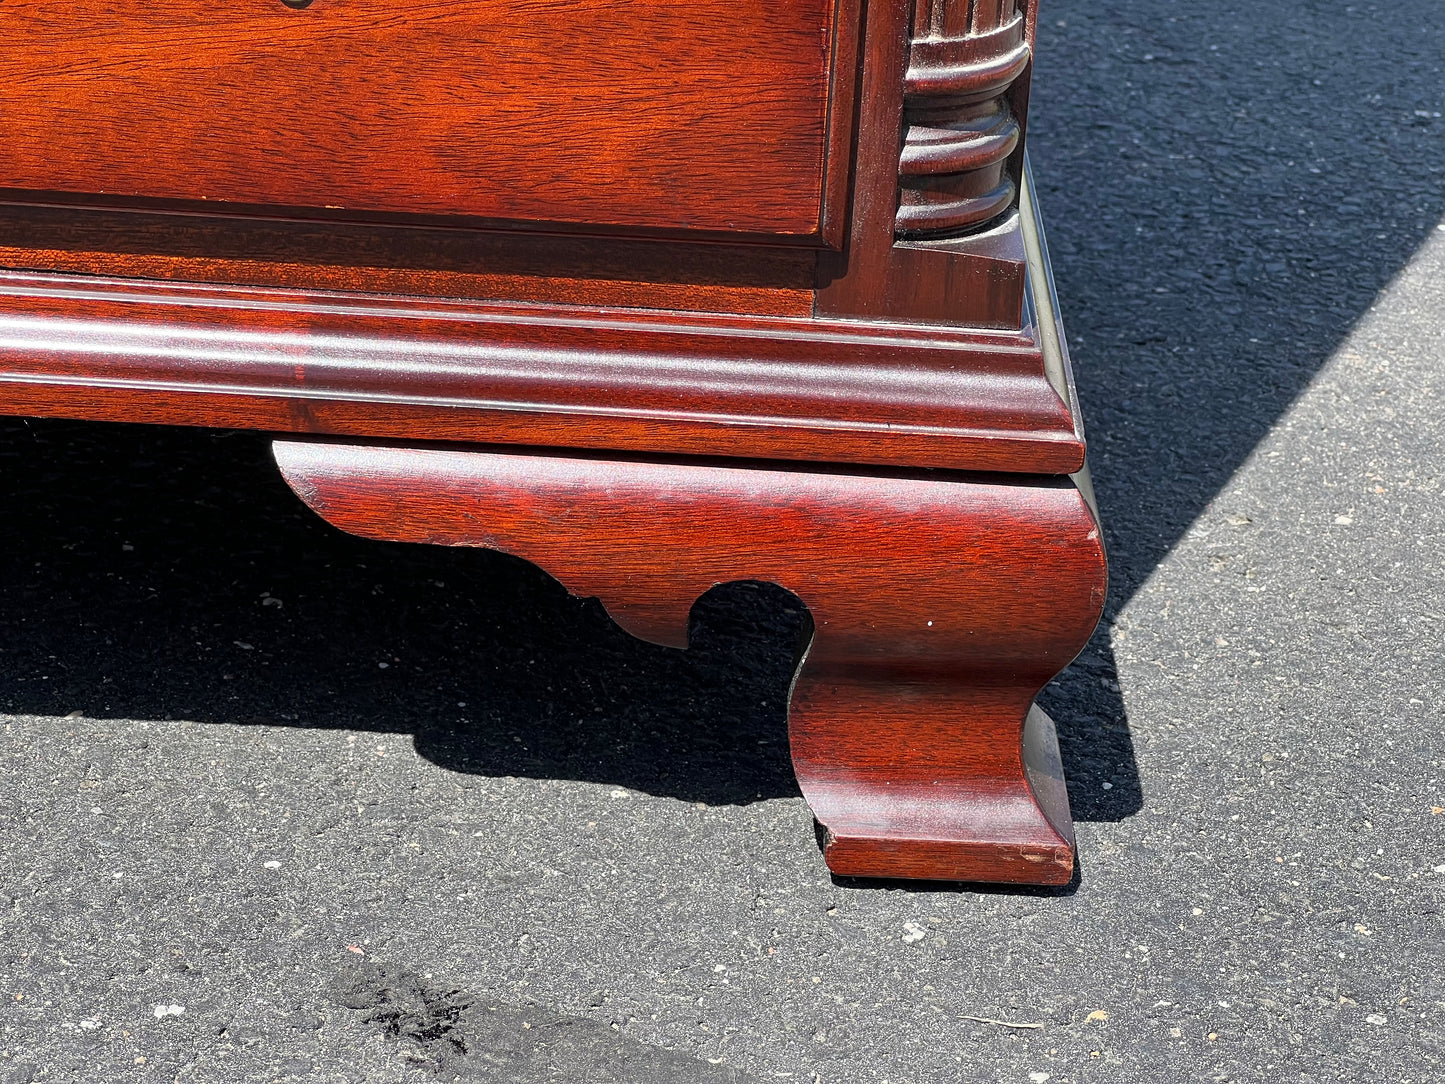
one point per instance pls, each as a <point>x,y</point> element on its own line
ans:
<point>959,128</point>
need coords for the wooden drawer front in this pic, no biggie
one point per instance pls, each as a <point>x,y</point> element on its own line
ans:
<point>653,114</point>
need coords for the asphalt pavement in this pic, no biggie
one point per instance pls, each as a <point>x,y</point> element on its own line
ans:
<point>285,805</point>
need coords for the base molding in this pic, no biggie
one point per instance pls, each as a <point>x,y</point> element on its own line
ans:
<point>941,605</point>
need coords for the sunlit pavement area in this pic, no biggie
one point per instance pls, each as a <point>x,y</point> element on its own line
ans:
<point>285,805</point>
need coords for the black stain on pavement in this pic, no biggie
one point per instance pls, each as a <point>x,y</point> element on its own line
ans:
<point>463,1038</point>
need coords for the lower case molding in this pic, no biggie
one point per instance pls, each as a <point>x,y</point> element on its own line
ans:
<point>941,606</point>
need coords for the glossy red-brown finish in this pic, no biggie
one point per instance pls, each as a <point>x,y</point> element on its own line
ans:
<point>959,129</point>
<point>935,234</point>
<point>534,267</point>
<point>941,606</point>
<point>626,379</point>
<point>712,115</point>
<point>693,293</point>
<point>597,235</point>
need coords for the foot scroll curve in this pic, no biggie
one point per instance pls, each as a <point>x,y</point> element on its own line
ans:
<point>941,605</point>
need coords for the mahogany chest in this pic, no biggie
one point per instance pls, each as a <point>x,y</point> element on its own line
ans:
<point>657,294</point>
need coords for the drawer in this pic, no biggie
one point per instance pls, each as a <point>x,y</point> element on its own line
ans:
<point>630,115</point>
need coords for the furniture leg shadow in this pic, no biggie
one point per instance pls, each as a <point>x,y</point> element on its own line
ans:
<point>941,604</point>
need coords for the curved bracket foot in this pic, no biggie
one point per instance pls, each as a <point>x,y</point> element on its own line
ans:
<point>941,606</point>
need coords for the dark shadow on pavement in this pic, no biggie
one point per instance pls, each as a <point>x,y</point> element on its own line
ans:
<point>169,573</point>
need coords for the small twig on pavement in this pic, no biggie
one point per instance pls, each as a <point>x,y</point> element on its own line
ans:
<point>1000,1023</point>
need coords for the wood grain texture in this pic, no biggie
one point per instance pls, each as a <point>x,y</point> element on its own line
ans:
<point>975,280</point>
<point>435,370</point>
<point>708,115</point>
<point>538,267</point>
<point>941,606</point>
<point>934,234</point>
<point>537,230</point>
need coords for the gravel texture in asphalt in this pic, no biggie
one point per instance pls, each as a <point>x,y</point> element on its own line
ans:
<point>283,805</point>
